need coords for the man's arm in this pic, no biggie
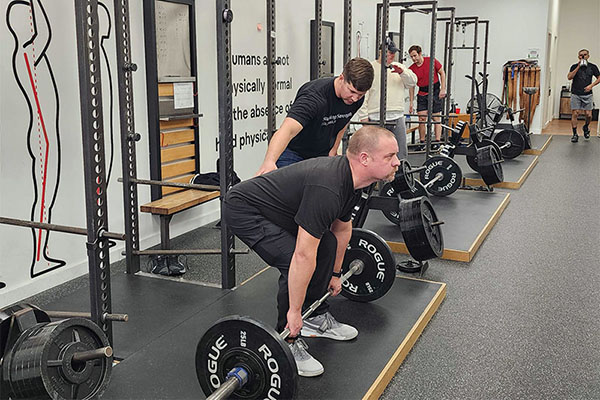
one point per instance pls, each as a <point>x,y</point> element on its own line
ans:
<point>409,78</point>
<point>411,97</point>
<point>442,74</point>
<point>342,232</point>
<point>302,267</point>
<point>289,128</point>
<point>589,87</point>
<point>338,139</point>
<point>572,74</point>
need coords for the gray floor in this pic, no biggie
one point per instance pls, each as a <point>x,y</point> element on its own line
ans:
<point>522,319</point>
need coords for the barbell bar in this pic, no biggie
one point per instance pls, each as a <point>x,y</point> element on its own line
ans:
<point>102,352</point>
<point>171,184</point>
<point>174,252</point>
<point>76,314</point>
<point>59,228</point>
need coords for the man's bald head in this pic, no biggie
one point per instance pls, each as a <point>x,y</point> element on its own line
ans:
<point>366,139</point>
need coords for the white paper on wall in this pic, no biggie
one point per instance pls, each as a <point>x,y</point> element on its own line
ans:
<point>183,95</point>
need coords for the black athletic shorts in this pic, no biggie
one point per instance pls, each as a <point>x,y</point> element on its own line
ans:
<point>437,102</point>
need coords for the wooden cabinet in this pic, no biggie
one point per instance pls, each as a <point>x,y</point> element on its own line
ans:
<point>565,105</point>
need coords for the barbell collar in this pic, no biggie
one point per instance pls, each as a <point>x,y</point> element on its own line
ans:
<point>102,352</point>
<point>356,266</point>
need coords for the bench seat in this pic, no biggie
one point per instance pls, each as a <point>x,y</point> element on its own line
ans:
<point>174,203</point>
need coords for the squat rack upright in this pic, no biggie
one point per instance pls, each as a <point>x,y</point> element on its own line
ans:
<point>382,21</point>
<point>475,21</point>
<point>448,60</point>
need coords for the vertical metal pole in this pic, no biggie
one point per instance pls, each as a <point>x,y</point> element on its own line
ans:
<point>347,30</point>
<point>449,69</point>
<point>92,129</point>
<point>347,52</point>
<point>401,34</point>
<point>474,74</point>
<point>485,58</point>
<point>378,30</point>
<point>125,67</point>
<point>271,68</point>
<point>152,96</point>
<point>382,57</point>
<point>318,29</point>
<point>224,18</point>
<point>431,72</point>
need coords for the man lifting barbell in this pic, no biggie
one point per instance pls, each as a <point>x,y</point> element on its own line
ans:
<point>298,219</point>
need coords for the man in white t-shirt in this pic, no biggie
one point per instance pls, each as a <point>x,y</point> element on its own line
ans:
<point>399,78</point>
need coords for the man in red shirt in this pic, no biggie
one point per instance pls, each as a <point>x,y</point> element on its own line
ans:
<point>420,67</point>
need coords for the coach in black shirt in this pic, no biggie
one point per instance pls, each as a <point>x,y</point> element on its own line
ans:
<point>319,116</point>
<point>298,220</point>
<point>582,98</point>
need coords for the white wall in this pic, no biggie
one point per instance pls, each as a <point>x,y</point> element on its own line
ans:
<point>549,83</point>
<point>515,27</point>
<point>512,33</point>
<point>293,33</point>
<point>578,28</point>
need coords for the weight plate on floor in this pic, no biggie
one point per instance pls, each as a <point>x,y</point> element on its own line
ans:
<point>472,160</point>
<point>40,364</point>
<point>420,230</point>
<point>448,169</point>
<point>516,140</point>
<point>236,341</point>
<point>379,266</point>
<point>490,167</point>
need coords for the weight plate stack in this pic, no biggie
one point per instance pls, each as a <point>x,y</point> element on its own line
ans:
<point>420,229</point>
<point>378,273</point>
<point>242,342</point>
<point>41,365</point>
<point>404,181</point>
<point>451,175</point>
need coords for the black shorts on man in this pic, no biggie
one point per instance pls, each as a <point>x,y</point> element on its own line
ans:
<point>422,101</point>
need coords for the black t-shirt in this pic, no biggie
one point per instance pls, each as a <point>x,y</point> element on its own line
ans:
<point>311,194</point>
<point>583,77</point>
<point>322,115</point>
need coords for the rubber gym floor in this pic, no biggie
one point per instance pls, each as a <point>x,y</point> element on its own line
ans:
<point>520,320</point>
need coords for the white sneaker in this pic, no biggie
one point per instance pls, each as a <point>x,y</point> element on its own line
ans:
<point>326,326</point>
<point>307,365</point>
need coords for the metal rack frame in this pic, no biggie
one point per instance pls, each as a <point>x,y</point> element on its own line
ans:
<point>92,129</point>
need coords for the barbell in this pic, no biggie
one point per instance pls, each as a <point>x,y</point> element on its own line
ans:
<point>241,358</point>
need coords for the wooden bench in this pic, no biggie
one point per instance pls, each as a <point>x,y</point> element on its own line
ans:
<point>171,205</point>
<point>177,164</point>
